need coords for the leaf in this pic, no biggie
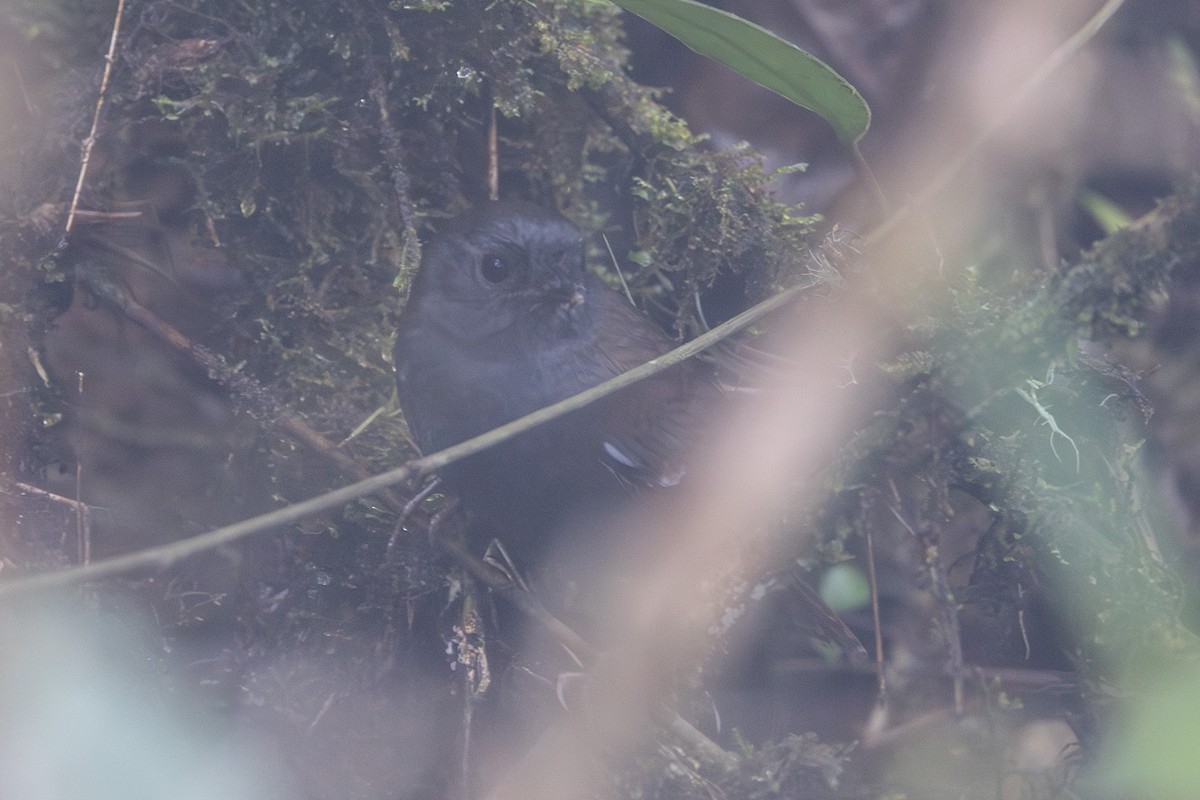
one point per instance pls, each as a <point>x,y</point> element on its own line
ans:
<point>1107,214</point>
<point>763,57</point>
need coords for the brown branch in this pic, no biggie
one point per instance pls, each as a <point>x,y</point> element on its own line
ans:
<point>249,390</point>
<point>165,555</point>
<point>244,387</point>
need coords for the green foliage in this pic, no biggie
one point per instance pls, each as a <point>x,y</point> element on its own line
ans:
<point>762,57</point>
<point>323,139</point>
<point>1154,751</point>
<point>704,214</point>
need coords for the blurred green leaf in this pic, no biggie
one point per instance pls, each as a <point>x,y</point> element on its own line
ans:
<point>1153,751</point>
<point>641,258</point>
<point>763,57</point>
<point>844,588</point>
<point>1107,214</point>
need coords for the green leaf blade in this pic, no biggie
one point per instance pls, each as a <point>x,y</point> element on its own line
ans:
<point>757,54</point>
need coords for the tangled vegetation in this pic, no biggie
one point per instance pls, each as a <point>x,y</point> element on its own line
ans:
<point>263,179</point>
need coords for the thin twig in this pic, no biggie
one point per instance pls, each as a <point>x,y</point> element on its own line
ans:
<point>165,555</point>
<point>83,510</point>
<point>617,266</point>
<point>83,531</point>
<point>880,670</point>
<point>406,512</point>
<point>530,605</point>
<point>493,153</point>
<point>394,152</point>
<point>90,142</point>
<point>21,85</point>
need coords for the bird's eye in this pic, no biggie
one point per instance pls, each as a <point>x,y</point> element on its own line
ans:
<point>494,268</point>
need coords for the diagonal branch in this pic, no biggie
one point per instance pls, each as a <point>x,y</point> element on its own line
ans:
<point>165,555</point>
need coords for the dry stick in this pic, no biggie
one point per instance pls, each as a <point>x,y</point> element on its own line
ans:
<point>529,604</point>
<point>393,151</point>
<point>168,554</point>
<point>90,141</point>
<point>526,601</point>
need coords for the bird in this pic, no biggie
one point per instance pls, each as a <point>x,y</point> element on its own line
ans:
<point>503,317</point>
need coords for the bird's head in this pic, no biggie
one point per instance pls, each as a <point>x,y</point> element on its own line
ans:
<point>503,266</point>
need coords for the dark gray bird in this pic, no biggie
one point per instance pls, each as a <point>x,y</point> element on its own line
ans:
<point>503,318</point>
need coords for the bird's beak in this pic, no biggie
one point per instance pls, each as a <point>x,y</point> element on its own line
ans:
<point>577,297</point>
